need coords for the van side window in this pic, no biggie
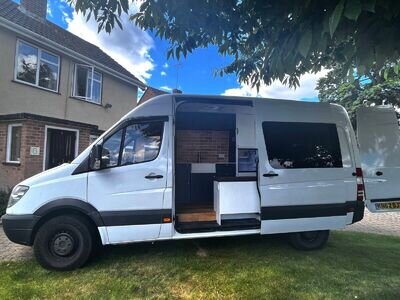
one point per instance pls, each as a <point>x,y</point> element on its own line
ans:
<point>142,142</point>
<point>298,145</point>
<point>111,149</point>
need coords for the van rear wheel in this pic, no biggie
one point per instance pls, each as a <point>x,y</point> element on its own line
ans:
<point>63,243</point>
<point>309,240</point>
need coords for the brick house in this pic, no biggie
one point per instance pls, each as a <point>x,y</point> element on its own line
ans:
<point>58,92</point>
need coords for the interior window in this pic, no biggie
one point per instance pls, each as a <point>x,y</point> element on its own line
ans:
<point>142,142</point>
<point>296,145</point>
<point>110,151</point>
<point>247,160</point>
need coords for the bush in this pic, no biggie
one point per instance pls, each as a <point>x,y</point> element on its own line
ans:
<point>3,201</point>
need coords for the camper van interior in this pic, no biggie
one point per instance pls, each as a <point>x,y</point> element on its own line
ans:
<point>215,167</point>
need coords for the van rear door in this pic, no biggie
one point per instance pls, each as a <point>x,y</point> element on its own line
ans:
<point>378,136</point>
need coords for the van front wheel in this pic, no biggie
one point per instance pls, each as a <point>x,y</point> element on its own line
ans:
<point>309,240</point>
<point>63,243</point>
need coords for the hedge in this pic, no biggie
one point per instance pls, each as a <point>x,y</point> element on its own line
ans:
<point>3,201</point>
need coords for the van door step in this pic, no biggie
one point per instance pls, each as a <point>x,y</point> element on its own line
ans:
<point>197,216</point>
<point>227,225</point>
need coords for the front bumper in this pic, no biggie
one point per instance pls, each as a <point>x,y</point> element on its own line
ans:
<point>19,228</point>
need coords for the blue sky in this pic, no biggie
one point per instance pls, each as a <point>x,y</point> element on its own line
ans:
<point>146,57</point>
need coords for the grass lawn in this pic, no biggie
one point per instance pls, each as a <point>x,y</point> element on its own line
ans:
<point>352,266</point>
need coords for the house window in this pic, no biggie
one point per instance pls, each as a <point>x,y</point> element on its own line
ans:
<point>92,138</point>
<point>87,83</point>
<point>37,67</point>
<point>14,143</point>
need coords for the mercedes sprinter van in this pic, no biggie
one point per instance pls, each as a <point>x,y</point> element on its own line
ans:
<point>189,166</point>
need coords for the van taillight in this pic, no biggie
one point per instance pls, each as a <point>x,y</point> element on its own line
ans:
<point>360,185</point>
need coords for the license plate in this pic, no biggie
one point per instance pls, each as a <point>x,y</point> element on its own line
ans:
<point>387,205</point>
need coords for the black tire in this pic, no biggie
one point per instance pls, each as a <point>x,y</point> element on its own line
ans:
<point>63,243</point>
<point>309,240</point>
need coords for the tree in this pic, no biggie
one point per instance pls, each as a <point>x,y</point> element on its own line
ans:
<point>269,39</point>
<point>351,93</point>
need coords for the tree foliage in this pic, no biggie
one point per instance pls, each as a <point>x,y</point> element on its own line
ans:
<point>374,89</point>
<point>269,39</point>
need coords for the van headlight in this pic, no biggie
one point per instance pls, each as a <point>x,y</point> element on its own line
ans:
<point>17,193</point>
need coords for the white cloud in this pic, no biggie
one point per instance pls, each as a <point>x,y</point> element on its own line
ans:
<point>129,47</point>
<point>166,88</point>
<point>166,65</point>
<point>49,10</point>
<point>63,7</point>
<point>306,90</point>
<point>163,73</point>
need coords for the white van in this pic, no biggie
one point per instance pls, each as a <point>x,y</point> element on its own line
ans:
<point>184,166</point>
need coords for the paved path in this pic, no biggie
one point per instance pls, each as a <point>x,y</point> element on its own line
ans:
<point>12,252</point>
<point>382,223</point>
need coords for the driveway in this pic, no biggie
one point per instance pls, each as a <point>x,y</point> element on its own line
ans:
<point>380,223</point>
<point>10,251</point>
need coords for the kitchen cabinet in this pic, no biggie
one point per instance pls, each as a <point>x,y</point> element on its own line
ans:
<point>235,198</point>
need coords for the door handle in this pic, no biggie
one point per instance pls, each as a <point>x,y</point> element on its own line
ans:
<point>379,173</point>
<point>153,176</point>
<point>270,174</point>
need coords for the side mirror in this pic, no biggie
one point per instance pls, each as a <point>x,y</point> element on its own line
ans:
<point>95,157</point>
<point>105,159</point>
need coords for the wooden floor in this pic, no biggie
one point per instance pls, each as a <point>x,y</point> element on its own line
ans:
<point>196,215</point>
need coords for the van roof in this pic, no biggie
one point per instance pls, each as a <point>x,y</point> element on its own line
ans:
<point>162,105</point>
<point>235,98</point>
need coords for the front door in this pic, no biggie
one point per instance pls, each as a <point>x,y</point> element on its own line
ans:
<point>379,139</point>
<point>60,147</point>
<point>129,189</point>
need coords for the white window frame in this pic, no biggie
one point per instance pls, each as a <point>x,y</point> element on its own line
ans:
<point>9,138</point>
<point>89,99</point>
<point>36,84</point>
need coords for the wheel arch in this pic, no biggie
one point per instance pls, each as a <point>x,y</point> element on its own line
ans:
<point>68,207</point>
